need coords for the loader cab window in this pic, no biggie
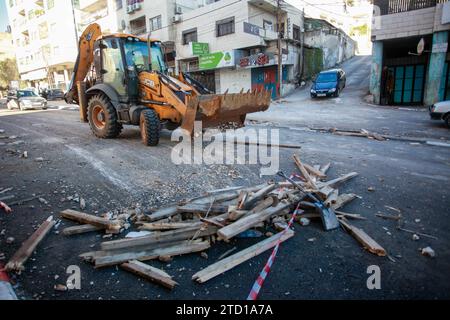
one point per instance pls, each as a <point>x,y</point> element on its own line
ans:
<point>112,66</point>
<point>136,54</point>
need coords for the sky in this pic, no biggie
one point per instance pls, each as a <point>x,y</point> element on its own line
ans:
<point>3,16</point>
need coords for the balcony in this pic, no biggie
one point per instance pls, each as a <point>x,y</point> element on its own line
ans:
<point>92,6</point>
<point>397,6</point>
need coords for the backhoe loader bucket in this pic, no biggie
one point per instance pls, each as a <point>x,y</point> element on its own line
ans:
<point>214,110</point>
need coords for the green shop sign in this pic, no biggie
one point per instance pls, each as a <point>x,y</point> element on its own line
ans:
<point>216,60</point>
<point>199,48</point>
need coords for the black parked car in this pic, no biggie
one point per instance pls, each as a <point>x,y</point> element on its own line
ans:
<point>328,83</point>
<point>53,94</point>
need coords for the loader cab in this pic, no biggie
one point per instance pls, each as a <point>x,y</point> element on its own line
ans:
<point>119,60</point>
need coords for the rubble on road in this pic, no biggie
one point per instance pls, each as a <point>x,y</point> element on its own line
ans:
<point>228,214</point>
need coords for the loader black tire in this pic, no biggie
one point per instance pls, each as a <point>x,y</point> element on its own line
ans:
<point>102,118</point>
<point>150,127</point>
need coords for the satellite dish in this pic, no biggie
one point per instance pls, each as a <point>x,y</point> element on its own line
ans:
<point>421,46</point>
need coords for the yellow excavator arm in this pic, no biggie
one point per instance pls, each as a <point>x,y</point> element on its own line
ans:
<point>84,60</point>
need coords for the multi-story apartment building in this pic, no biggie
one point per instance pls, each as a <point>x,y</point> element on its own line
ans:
<point>44,37</point>
<point>102,12</point>
<point>240,34</point>
<point>410,60</point>
<point>232,45</point>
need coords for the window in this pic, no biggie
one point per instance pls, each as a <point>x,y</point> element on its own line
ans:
<point>155,23</point>
<point>190,36</point>
<point>11,3</point>
<point>267,25</point>
<point>224,27</point>
<point>31,14</point>
<point>118,4</point>
<point>296,32</point>
<point>50,4</point>
<point>43,31</point>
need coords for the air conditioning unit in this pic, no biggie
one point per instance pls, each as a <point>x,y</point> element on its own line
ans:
<point>178,10</point>
<point>177,18</point>
<point>137,6</point>
<point>130,9</point>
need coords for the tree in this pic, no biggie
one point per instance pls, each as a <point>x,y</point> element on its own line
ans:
<point>8,72</point>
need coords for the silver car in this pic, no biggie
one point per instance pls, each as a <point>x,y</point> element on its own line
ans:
<point>24,100</point>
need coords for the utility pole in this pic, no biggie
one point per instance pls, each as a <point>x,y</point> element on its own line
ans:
<point>280,51</point>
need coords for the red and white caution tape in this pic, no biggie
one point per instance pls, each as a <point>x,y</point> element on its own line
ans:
<point>265,271</point>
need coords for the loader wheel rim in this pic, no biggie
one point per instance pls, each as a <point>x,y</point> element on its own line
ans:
<point>98,117</point>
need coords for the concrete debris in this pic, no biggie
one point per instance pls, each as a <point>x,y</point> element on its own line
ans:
<point>428,252</point>
<point>60,287</point>
<point>82,204</point>
<point>10,240</point>
<point>415,237</point>
<point>304,221</point>
<point>39,159</point>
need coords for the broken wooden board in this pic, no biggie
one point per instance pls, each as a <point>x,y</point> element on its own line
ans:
<point>203,208</point>
<point>304,172</point>
<point>168,236</point>
<point>332,198</point>
<point>16,263</point>
<point>143,254</point>
<point>111,226</point>
<point>324,169</point>
<point>258,196</point>
<point>325,192</point>
<point>84,228</point>
<point>363,238</point>
<point>160,226</point>
<point>232,261</point>
<point>313,171</point>
<point>343,199</point>
<point>150,273</point>
<point>162,213</point>
<point>250,221</point>
<point>335,182</point>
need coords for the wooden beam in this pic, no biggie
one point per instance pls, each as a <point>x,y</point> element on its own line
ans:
<point>332,198</point>
<point>203,208</point>
<point>143,254</point>
<point>158,226</point>
<point>258,196</point>
<point>311,170</point>
<point>250,221</point>
<point>84,228</point>
<point>16,263</point>
<point>343,199</point>
<point>150,273</point>
<point>161,237</point>
<point>112,226</point>
<point>232,261</point>
<point>324,169</point>
<point>304,172</point>
<point>163,213</point>
<point>335,182</point>
<point>363,238</point>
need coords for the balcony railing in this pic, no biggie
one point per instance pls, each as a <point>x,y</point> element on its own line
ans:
<point>397,6</point>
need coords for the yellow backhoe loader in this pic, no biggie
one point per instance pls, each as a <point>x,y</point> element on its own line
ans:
<point>123,79</point>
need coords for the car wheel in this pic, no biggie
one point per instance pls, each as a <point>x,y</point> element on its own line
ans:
<point>447,120</point>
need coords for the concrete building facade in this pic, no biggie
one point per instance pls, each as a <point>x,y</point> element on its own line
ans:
<point>6,46</point>
<point>411,58</point>
<point>102,12</point>
<point>44,37</point>
<point>231,45</point>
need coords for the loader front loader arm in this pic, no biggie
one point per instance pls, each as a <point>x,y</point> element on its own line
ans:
<point>84,60</point>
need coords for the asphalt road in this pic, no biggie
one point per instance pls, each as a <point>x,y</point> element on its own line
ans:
<point>122,173</point>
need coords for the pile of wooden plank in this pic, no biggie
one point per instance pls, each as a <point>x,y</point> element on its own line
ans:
<point>196,224</point>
